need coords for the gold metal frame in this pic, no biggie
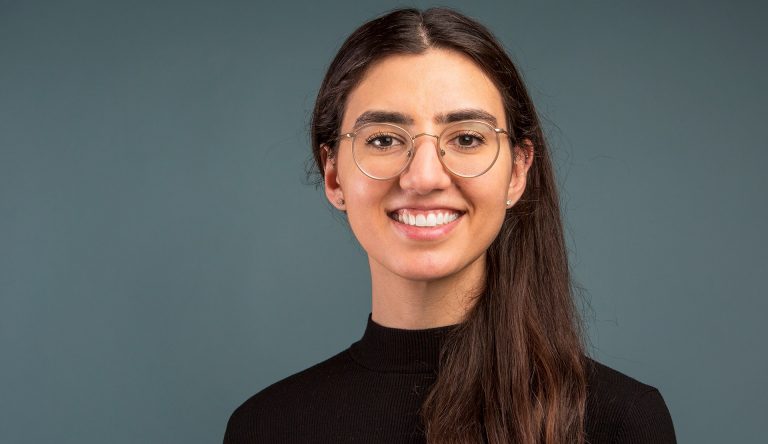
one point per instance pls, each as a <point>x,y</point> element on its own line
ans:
<point>440,152</point>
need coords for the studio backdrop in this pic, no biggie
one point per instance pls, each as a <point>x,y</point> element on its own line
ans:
<point>163,256</point>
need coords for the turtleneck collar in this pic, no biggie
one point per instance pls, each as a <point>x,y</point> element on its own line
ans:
<point>396,350</point>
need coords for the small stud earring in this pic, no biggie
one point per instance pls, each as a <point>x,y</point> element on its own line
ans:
<point>509,203</point>
<point>340,201</point>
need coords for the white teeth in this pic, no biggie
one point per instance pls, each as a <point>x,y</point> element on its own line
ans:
<point>428,220</point>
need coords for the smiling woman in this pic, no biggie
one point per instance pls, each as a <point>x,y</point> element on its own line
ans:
<point>411,262</point>
<point>425,136</point>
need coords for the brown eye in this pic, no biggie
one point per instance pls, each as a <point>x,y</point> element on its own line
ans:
<point>383,141</point>
<point>467,140</point>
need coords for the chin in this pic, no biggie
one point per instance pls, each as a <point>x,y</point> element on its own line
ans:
<point>424,270</point>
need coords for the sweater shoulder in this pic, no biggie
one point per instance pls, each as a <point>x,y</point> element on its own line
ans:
<point>298,383</point>
<point>280,398</point>
<point>608,381</point>
<point>621,409</point>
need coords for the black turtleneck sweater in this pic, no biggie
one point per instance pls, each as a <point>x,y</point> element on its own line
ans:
<point>371,393</point>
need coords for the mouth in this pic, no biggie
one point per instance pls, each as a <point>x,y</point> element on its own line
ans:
<point>425,218</point>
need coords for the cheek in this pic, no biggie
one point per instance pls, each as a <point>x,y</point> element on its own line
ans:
<point>363,194</point>
<point>489,197</point>
<point>490,190</point>
<point>364,201</point>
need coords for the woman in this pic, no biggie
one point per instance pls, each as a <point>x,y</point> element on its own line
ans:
<point>426,138</point>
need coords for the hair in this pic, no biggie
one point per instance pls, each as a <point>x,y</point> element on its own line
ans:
<point>514,370</point>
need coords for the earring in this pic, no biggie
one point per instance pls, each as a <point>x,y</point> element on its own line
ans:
<point>340,201</point>
<point>509,203</point>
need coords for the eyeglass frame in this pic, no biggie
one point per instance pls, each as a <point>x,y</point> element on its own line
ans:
<point>497,131</point>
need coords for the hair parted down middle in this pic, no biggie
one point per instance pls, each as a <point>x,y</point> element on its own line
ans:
<point>514,371</point>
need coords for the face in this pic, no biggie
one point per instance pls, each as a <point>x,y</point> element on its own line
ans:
<point>424,89</point>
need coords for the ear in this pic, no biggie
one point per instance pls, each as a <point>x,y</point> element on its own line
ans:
<point>521,162</point>
<point>333,190</point>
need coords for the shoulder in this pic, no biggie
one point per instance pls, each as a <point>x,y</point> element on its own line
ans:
<point>621,409</point>
<point>294,387</point>
<point>275,405</point>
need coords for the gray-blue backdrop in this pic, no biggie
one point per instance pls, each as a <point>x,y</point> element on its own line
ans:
<point>161,258</point>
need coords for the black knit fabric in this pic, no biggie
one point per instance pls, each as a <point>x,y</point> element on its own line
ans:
<point>371,393</point>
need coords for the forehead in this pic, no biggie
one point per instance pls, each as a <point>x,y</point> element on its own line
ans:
<point>424,86</point>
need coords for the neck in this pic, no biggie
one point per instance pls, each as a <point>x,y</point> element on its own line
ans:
<point>400,302</point>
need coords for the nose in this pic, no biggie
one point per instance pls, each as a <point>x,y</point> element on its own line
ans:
<point>425,172</point>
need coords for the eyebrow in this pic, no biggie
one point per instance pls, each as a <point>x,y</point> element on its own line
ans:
<point>466,114</point>
<point>379,116</point>
<point>376,116</point>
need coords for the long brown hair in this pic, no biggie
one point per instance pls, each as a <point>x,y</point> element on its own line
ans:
<point>514,370</point>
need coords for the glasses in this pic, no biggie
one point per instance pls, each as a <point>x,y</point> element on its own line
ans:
<point>467,149</point>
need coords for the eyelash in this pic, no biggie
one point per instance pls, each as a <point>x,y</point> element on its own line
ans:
<point>476,136</point>
<point>373,137</point>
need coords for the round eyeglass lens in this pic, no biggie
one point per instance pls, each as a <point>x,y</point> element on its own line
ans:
<point>469,149</point>
<point>380,150</point>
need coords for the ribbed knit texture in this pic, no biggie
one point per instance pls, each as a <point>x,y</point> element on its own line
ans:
<point>371,393</point>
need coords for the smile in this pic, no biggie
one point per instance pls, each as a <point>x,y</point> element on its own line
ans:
<point>424,218</point>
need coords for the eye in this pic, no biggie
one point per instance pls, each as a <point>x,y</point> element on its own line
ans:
<point>383,141</point>
<point>466,140</point>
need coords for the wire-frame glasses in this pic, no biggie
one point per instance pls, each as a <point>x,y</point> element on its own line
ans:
<point>467,148</point>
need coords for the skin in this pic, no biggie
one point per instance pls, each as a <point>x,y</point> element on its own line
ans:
<point>420,284</point>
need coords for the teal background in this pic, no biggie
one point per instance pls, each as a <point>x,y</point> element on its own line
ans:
<point>162,257</point>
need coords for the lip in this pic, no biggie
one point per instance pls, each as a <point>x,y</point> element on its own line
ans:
<point>425,233</point>
<point>425,208</point>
